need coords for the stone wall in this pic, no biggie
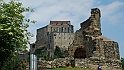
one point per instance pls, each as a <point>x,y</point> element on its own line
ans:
<point>88,49</point>
<point>96,48</point>
<point>42,37</point>
<point>63,40</point>
<point>91,63</point>
<point>56,63</point>
<point>57,33</point>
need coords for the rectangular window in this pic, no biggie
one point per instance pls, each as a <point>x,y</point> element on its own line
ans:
<point>63,29</point>
<point>58,29</point>
<point>54,29</point>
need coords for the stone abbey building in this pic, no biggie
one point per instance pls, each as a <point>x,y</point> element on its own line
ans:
<point>87,44</point>
<point>57,33</point>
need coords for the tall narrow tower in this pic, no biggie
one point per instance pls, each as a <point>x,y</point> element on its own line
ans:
<point>92,26</point>
<point>95,20</point>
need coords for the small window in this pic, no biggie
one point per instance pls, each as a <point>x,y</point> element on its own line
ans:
<point>54,34</point>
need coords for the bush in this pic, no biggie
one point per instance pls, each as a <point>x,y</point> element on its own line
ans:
<point>58,53</point>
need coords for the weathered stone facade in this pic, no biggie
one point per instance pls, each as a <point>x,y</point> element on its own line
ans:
<point>87,48</point>
<point>57,33</point>
<point>91,45</point>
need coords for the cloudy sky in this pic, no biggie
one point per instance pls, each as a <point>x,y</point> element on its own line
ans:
<point>77,11</point>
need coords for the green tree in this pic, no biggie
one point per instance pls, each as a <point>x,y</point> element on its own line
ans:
<point>122,60</point>
<point>58,53</point>
<point>40,53</point>
<point>11,64</point>
<point>14,35</point>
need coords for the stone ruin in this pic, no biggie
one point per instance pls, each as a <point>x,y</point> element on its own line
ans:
<point>89,45</point>
<point>89,48</point>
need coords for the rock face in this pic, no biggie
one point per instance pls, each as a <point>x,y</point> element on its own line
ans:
<point>91,45</point>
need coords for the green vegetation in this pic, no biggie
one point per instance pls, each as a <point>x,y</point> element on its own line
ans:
<point>122,60</point>
<point>70,69</point>
<point>58,53</point>
<point>14,35</point>
<point>11,64</point>
<point>42,54</point>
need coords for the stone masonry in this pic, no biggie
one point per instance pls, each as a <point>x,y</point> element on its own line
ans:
<point>91,45</point>
<point>57,33</point>
<point>87,48</point>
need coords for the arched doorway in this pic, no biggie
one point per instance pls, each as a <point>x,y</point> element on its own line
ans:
<point>80,53</point>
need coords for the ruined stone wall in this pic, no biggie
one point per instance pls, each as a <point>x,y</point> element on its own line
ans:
<point>111,50</point>
<point>89,48</point>
<point>92,25</point>
<point>79,63</point>
<point>97,48</point>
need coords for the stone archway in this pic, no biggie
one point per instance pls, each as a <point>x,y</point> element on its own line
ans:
<point>80,53</point>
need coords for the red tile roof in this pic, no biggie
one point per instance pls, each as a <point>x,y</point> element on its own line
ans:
<point>59,22</point>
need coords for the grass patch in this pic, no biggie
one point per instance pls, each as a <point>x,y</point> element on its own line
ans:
<point>69,69</point>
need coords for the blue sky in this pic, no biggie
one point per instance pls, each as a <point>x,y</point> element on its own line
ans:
<point>77,11</point>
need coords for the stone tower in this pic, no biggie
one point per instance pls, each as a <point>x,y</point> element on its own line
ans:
<point>57,33</point>
<point>90,45</point>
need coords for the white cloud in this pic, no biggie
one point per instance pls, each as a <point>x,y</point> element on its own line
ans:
<point>74,10</point>
<point>45,10</point>
<point>110,12</point>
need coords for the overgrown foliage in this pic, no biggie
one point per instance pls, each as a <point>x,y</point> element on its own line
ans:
<point>58,53</point>
<point>122,60</point>
<point>11,64</point>
<point>41,54</point>
<point>14,35</point>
